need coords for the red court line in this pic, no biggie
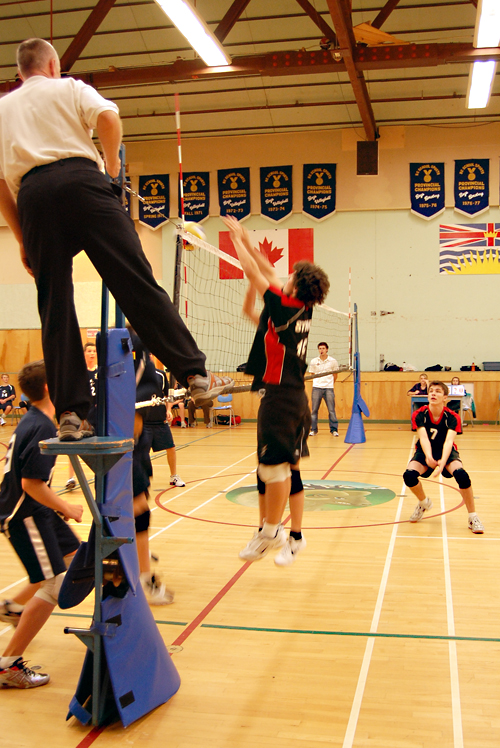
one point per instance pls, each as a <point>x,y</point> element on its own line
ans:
<point>96,731</point>
<point>337,461</point>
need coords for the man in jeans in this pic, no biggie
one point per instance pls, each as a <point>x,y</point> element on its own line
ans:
<point>323,388</point>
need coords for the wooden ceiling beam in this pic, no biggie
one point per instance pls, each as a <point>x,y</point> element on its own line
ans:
<point>293,62</point>
<point>318,20</point>
<point>85,34</point>
<point>384,13</point>
<point>341,17</point>
<point>232,15</point>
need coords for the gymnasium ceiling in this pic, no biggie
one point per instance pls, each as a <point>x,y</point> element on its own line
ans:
<point>297,64</point>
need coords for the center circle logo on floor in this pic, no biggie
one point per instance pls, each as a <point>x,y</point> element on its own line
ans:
<point>324,495</point>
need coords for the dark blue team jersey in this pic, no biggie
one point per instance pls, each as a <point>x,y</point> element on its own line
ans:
<point>24,460</point>
<point>6,390</point>
<point>278,354</point>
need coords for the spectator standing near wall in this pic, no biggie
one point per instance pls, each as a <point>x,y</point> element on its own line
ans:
<point>323,389</point>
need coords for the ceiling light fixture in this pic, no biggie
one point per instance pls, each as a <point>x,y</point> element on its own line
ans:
<point>486,34</point>
<point>196,31</point>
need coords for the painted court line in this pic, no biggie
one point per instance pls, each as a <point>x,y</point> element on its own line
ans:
<point>456,708</point>
<point>365,665</point>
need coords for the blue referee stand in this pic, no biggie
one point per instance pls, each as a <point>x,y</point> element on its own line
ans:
<point>127,670</point>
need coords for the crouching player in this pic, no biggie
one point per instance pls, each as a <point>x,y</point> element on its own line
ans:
<point>29,517</point>
<point>436,453</point>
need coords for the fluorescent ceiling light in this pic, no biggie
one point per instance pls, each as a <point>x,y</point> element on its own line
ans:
<point>480,83</point>
<point>195,30</point>
<point>487,32</point>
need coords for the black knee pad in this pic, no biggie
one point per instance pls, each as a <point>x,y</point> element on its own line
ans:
<point>411,477</point>
<point>297,484</point>
<point>261,486</point>
<point>142,521</point>
<point>462,478</point>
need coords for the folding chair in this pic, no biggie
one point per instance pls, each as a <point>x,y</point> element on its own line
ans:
<point>227,408</point>
<point>467,409</point>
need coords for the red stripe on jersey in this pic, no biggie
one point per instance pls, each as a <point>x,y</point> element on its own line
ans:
<point>286,300</point>
<point>459,420</point>
<point>275,356</point>
<point>414,416</point>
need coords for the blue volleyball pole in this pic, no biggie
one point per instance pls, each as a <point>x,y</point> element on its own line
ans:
<point>356,430</point>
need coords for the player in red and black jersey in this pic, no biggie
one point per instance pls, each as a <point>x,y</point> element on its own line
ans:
<point>277,362</point>
<point>436,453</point>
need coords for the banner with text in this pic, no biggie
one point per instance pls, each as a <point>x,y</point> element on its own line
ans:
<point>155,193</point>
<point>472,186</point>
<point>234,192</point>
<point>319,190</point>
<point>276,195</point>
<point>427,189</point>
<point>282,247</point>
<point>196,195</point>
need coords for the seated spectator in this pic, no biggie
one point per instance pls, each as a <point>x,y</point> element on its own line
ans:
<point>420,388</point>
<point>455,404</point>
<point>206,407</point>
<point>7,397</point>
<point>180,404</point>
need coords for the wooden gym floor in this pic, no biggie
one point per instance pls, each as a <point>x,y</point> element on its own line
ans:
<point>382,633</point>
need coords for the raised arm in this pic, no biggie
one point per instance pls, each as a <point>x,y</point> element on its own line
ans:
<point>248,308</point>
<point>248,263</point>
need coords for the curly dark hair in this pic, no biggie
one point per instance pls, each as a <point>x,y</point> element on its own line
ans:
<point>32,380</point>
<point>311,283</point>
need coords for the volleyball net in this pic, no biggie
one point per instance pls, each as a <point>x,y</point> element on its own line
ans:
<point>209,295</point>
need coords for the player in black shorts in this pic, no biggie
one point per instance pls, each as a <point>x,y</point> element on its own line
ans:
<point>277,363</point>
<point>29,518</point>
<point>296,541</point>
<point>149,433</point>
<point>436,454</point>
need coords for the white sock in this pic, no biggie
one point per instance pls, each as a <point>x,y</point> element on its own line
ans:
<point>472,515</point>
<point>8,661</point>
<point>269,530</point>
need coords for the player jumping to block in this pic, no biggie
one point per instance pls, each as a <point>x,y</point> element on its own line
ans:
<point>277,363</point>
<point>436,454</point>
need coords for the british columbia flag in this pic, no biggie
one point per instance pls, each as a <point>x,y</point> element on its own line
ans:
<point>467,241</point>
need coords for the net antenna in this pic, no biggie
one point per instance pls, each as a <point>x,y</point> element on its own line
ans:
<point>210,303</point>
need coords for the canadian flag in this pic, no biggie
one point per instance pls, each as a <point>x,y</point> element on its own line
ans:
<point>282,247</point>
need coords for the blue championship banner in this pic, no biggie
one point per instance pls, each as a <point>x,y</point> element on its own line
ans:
<point>196,195</point>
<point>155,209</point>
<point>234,192</point>
<point>276,196</point>
<point>427,189</point>
<point>472,186</point>
<point>319,190</point>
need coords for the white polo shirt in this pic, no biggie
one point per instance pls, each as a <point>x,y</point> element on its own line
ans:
<point>45,120</point>
<point>317,366</point>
